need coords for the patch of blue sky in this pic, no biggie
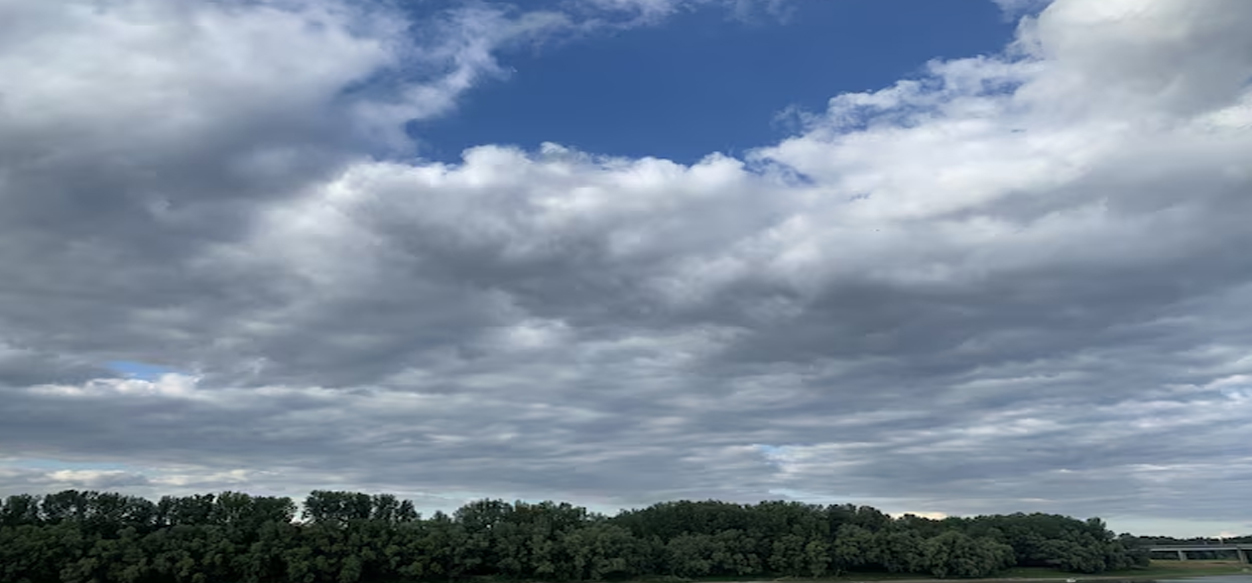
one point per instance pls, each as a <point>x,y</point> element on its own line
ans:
<point>704,81</point>
<point>139,370</point>
<point>773,454</point>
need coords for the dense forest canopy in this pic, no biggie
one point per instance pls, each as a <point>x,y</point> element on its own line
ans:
<point>345,537</point>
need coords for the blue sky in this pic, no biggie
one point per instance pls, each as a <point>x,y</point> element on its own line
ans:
<point>241,249</point>
<point>139,370</point>
<point>708,79</point>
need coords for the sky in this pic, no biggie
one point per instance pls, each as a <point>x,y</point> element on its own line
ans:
<point>940,257</point>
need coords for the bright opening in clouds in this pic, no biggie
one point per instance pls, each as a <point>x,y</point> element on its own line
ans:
<point>994,264</point>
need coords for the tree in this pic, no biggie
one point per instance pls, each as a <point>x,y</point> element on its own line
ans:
<point>899,550</point>
<point>854,548</point>
<point>955,554</point>
<point>93,537</point>
<point>20,509</point>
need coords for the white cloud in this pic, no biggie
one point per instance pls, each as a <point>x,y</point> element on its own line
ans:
<point>167,385</point>
<point>143,74</point>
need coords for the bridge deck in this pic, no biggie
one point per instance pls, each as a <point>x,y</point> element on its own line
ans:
<point>1240,549</point>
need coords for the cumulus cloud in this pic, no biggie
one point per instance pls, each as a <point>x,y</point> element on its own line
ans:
<point>1012,283</point>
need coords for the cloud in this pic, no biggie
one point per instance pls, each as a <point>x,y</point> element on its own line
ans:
<point>1016,8</point>
<point>94,479</point>
<point>639,12</point>
<point>1012,283</point>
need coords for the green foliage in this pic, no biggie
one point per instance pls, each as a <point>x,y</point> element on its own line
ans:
<point>956,554</point>
<point>347,537</point>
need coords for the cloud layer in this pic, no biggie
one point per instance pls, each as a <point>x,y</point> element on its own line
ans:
<point>1015,282</point>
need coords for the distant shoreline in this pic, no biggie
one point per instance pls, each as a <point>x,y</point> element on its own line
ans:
<point>1159,571</point>
<point>1128,578</point>
<point>1079,579</point>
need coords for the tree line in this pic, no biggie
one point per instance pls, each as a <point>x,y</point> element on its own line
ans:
<point>346,537</point>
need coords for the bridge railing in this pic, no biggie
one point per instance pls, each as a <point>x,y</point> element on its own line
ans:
<point>1241,550</point>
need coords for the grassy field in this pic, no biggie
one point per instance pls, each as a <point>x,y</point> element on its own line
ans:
<point>1157,570</point>
<point>1177,569</point>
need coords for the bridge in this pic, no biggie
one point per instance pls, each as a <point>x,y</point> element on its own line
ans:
<point>1241,550</point>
